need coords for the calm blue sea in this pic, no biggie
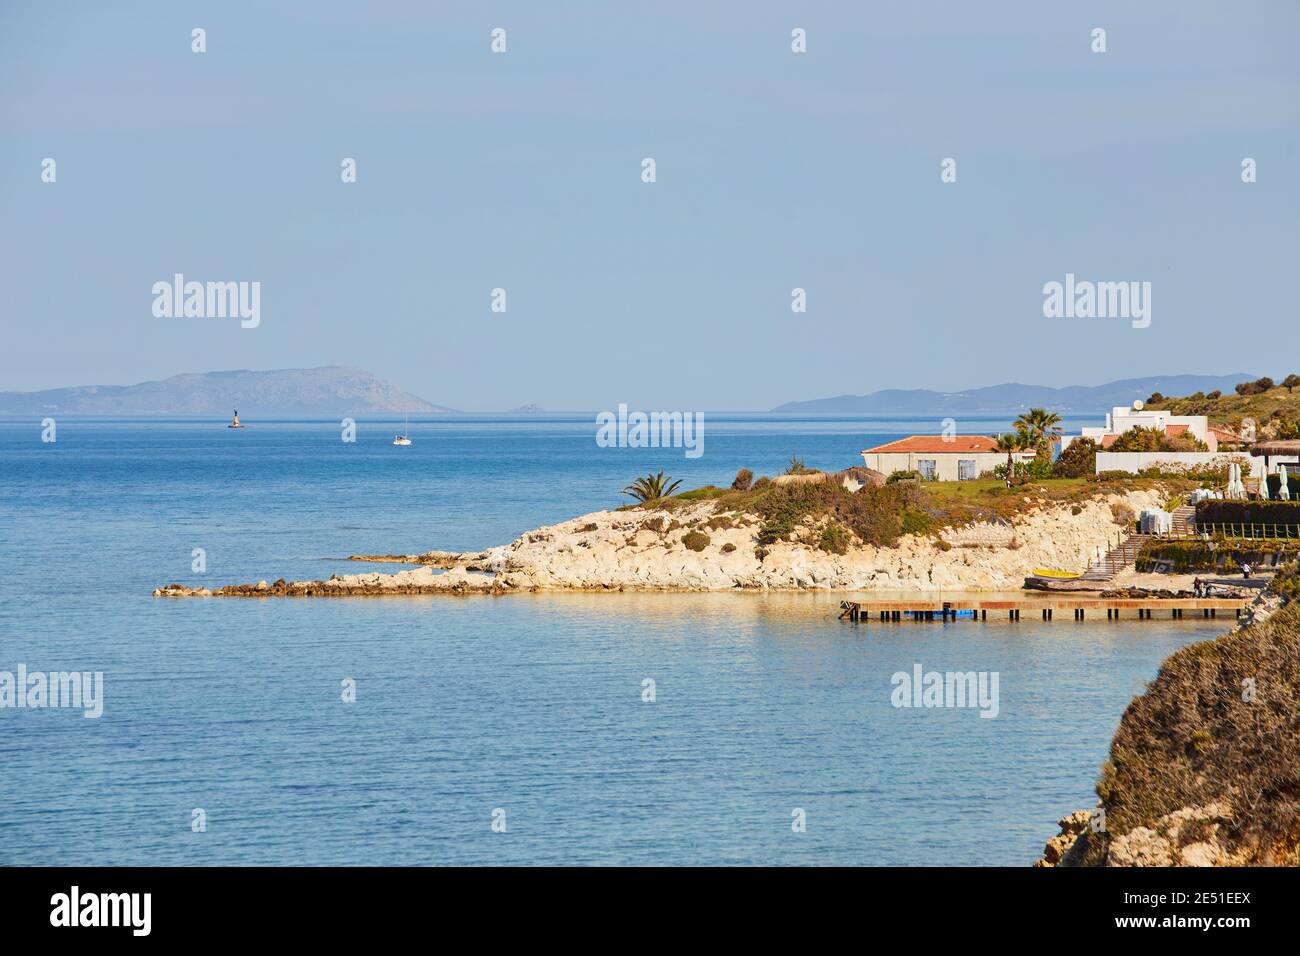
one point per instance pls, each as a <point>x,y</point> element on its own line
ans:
<point>527,704</point>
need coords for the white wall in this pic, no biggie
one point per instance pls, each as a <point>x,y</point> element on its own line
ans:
<point>945,464</point>
<point>1135,461</point>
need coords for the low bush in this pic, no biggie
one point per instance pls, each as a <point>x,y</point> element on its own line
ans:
<point>916,521</point>
<point>835,538</point>
<point>1194,739</point>
<point>1036,469</point>
<point>1079,460</point>
<point>1216,511</point>
<point>695,540</point>
<point>1188,557</point>
<point>744,479</point>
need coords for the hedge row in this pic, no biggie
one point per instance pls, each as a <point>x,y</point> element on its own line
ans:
<point>1215,511</point>
<point>1187,557</point>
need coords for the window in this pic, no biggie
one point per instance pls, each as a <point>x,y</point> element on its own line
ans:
<point>966,470</point>
<point>926,466</point>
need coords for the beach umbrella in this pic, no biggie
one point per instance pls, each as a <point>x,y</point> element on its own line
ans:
<point>1263,485</point>
<point>1283,491</point>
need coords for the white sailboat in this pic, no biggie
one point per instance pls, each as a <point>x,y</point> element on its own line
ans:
<point>405,437</point>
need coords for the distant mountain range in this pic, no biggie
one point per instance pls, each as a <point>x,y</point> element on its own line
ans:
<point>1005,399</point>
<point>332,390</point>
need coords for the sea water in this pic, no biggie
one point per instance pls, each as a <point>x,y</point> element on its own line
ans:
<point>768,735</point>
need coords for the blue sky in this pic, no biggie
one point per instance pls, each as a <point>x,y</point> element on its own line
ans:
<point>775,170</point>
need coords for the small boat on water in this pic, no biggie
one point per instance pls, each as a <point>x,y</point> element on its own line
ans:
<point>405,437</point>
<point>235,423</point>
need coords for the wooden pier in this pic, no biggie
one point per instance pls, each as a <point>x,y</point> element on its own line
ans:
<point>1046,608</point>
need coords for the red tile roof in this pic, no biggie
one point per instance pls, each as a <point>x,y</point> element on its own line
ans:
<point>1176,429</point>
<point>937,445</point>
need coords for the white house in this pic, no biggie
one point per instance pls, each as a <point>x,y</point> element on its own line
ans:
<point>938,458</point>
<point>1123,418</point>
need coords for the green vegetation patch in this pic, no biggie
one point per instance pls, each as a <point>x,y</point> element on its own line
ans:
<point>1282,513</point>
<point>695,540</point>
<point>1198,736</point>
<point>1189,557</point>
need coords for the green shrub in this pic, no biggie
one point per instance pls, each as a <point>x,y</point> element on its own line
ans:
<point>1287,581</point>
<point>695,540</point>
<point>1036,468</point>
<point>1257,387</point>
<point>728,548</point>
<point>1188,557</point>
<point>744,479</point>
<point>699,494</point>
<point>1138,439</point>
<point>797,467</point>
<point>902,476</point>
<point>1216,511</point>
<point>873,514</point>
<point>1079,460</point>
<point>916,521</point>
<point>835,538</point>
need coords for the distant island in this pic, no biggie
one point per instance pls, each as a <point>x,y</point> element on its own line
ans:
<point>331,390</point>
<point>1012,397</point>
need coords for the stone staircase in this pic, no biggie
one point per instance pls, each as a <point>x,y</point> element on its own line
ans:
<point>1184,519</point>
<point>1116,559</point>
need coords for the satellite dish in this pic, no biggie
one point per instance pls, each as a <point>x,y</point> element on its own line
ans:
<point>1137,405</point>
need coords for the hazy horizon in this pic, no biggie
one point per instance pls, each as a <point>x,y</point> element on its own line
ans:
<point>775,407</point>
<point>522,170</point>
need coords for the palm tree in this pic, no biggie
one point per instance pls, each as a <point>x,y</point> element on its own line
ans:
<point>1011,443</point>
<point>1042,427</point>
<point>652,487</point>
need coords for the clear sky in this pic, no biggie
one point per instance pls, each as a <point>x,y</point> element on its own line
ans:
<point>775,170</point>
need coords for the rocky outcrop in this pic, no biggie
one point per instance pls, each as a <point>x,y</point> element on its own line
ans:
<point>435,559</point>
<point>1073,826</point>
<point>1204,769</point>
<point>1191,836</point>
<point>643,549</point>
<point>414,581</point>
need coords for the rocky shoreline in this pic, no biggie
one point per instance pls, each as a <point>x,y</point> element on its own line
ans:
<point>1204,766</point>
<point>697,548</point>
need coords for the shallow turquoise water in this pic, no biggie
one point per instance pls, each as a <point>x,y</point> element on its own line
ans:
<point>531,704</point>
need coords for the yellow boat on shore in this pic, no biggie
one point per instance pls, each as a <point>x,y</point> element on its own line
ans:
<point>1058,575</point>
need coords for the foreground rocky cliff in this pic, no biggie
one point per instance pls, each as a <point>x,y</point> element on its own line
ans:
<point>1205,767</point>
<point>700,546</point>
